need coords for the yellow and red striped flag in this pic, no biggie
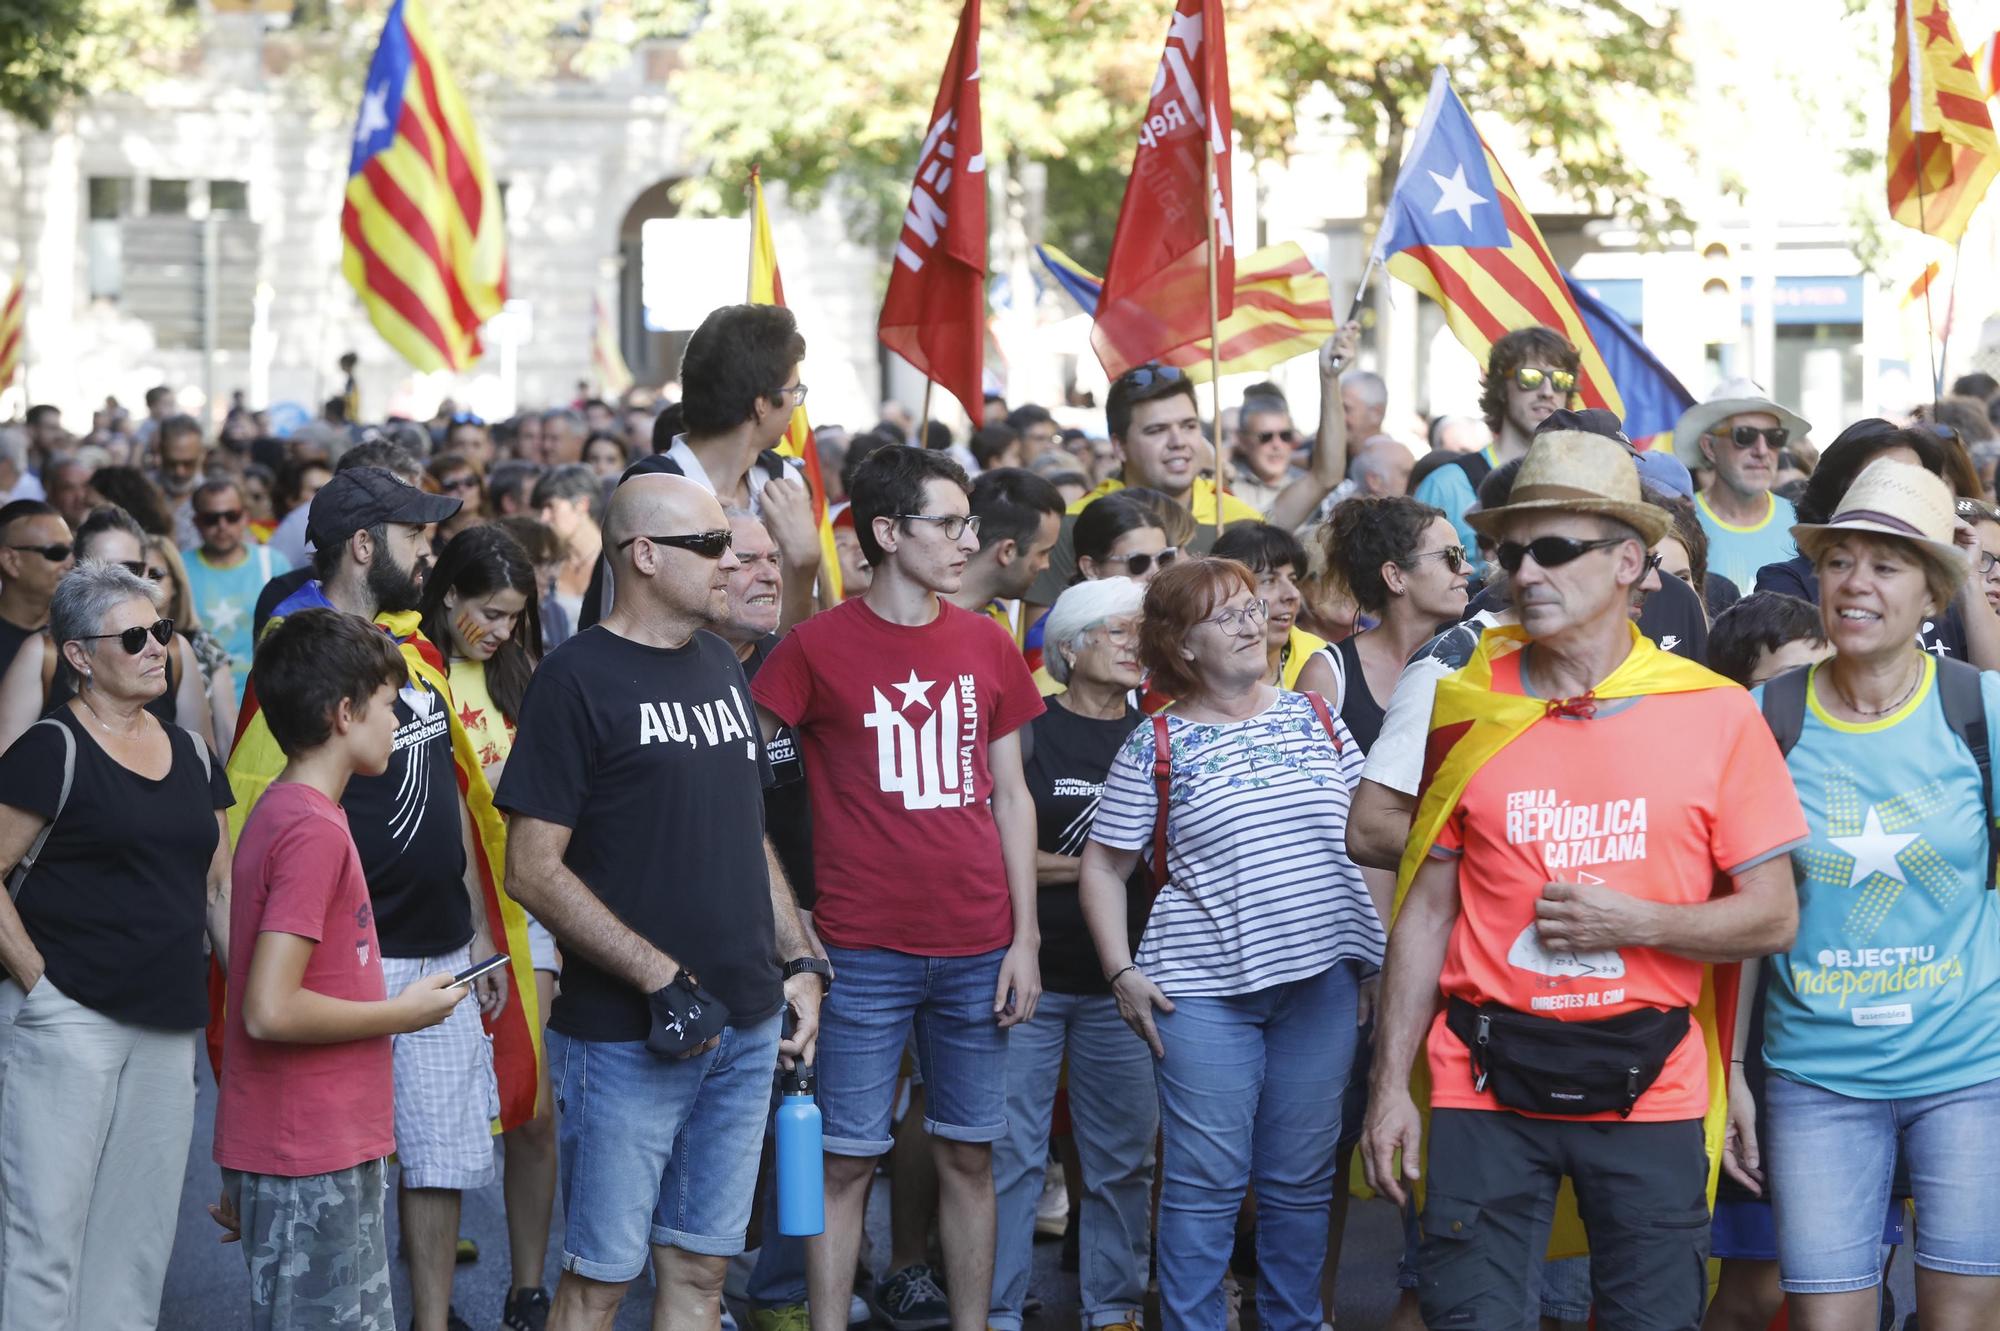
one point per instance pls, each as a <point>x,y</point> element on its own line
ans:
<point>1456,231</point>
<point>425,246</point>
<point>768,288</point>
<point>1942,152</point>
<point>607,363</point>
<point>13,327</point>
<point>1987,62</point>
<point>1922,285</point>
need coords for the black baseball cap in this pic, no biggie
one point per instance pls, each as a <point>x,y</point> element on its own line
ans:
<point>363,497</point>
<point>1590,420</point>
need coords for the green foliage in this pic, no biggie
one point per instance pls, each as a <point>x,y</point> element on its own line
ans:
<point>52,51</point>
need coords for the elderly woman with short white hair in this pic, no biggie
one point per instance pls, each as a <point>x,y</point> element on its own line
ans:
<point>1090,645</point>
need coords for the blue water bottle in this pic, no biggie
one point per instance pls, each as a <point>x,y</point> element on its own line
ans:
<point>801,1167</point>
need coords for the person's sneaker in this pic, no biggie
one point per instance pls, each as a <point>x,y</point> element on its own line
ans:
<point>912,1300</point>
<point>1133,1322</point>
<point>858,1311</point>
<point>782,1317</point>
<point>1232,1302</point>
<point>1052,1209</point>
<point>525,1310</point>
<point>452,1322</point>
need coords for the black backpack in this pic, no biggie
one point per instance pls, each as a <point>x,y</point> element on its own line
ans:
<point>1964,712</point>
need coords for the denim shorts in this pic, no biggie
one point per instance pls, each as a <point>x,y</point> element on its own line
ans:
<point>1830,1158</point>
<point>877,998</point>
<point>658,1151</point>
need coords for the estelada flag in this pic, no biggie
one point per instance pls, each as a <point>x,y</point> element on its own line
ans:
<point>257,760</point>
<point>1456,231</point>
<point>1942,152</point>
<point>13,333</point>
<point>934,315</point>
<point>1470,723</point>
<point>1155,295</point>
<point>767,287</point>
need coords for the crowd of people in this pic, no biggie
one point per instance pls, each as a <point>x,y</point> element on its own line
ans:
<point>1145,844</point>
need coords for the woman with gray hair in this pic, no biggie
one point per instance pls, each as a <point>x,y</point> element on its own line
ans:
<point>113,822</point>
<point>1090,644</point>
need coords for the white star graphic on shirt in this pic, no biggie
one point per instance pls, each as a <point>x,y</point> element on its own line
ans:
<point>1458,197</point>
<point>374,113</point>
<point>1875,850</point>
<point>914,690</point>
<point>224,616</point>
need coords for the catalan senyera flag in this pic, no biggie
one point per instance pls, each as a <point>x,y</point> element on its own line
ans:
<point>13,327</point>
<point>607,363</point>
<point>1456,231</point>
<point>1470,723</point>
<point>425,245</point>
<point>934,313</point>
<point>767,287</point>
<point>1283,308</point>
<point>1942,152</point>
<point>1920,288</point>
<point>1155,292</point>
<point>255,763</point>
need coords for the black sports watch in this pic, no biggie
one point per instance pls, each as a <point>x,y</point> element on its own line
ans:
<point>811,966</point>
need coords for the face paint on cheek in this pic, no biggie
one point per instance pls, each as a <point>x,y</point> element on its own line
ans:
<point>471,632</point>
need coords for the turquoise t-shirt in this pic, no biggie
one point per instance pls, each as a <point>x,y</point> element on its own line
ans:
<point>1738,552</point>
<point>1450,489</point>
<point>1892,988</point>
<point>226,599</point>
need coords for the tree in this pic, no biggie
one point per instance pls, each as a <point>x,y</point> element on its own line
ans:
<point>52,51</point>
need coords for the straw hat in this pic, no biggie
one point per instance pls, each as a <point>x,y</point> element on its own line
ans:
<point>1732,397</point>
<point>1898,500</point>
<point>1574,471</point>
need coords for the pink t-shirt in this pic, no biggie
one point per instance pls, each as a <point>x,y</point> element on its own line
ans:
<point>300,1109</point>
<point>894,724</point>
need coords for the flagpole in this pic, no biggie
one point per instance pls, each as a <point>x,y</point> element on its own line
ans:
<point>1214,335</point>
<point>1360,297</point>
<point>924,421</point>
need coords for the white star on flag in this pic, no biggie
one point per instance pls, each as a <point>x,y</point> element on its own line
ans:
<point>374,113</point>
<point>914,690</point>
<point>1875,850</point>
<point>1456,196</point>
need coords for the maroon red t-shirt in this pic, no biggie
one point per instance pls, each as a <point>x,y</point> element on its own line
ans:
<point>300,1109</point>
<point>894,724</point>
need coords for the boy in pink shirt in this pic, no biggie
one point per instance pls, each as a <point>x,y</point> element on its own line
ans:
<point>306,1111</point>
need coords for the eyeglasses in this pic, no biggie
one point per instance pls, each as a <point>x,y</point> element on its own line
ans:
<point>1272,436</point>
<point>1987,563</point>
<point>1528,379</point>
<point>1552,551</point>
<point>953,525</point>
<point>1453,556</point>
<point>133,640</point>
<point>1145,376</point>
<point>460,484</point>
<point>1746,436</point>
<point>1137,565</point>
<point>55,554</point>
<point>1229,620</point>
<point>797,392</point>
<point>707,544</point>
<point>1116,634</point>
<point>230,515</point>
<point>141,569</point>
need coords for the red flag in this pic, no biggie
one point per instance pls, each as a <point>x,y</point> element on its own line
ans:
<point>1156,285</point>
<point>935,313</point>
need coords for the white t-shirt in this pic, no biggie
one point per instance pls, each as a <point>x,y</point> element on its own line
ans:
<point>1397,760</point>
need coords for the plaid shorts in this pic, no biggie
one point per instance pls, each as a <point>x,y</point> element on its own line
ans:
<point>446,1096</point>
<point>316,1248</point>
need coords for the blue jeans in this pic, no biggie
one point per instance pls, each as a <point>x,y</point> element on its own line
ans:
<point>865,1022</point>
<point>1250,1092</point>
<point>658,1151</point>
<point>1114,1114</point>
<point>1830,1158</point>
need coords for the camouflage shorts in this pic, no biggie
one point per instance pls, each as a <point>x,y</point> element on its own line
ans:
<point>317,1249</point>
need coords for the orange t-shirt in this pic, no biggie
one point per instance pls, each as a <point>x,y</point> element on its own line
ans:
<point>1661,796</point>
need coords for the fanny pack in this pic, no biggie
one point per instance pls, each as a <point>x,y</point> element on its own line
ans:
<point>1546,1066</point>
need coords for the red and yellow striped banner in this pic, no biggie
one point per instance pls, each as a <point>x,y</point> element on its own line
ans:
<point>13,327</point>
<point>1942,151</point>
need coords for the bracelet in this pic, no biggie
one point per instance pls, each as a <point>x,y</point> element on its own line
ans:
<point>1114,978</point>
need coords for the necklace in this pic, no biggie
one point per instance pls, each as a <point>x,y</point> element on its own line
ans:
<point>1859,710</point>
<point>102,725</point>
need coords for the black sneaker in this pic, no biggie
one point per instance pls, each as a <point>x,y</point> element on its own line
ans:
<point>526,1310</point>
<point>912,1300</point>
<point>452,1322</point>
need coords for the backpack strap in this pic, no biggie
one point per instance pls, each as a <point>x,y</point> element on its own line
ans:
<point>1785,706</point>
<point>1163,775</point>
<point>1965,713</point>
<point>18,878</point>
<point>1325,716</point>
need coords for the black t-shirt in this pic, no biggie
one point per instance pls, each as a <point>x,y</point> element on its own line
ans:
<point>1671,617</point>
<point>406,824</point>
<point>1358,708</point>
<point>653,759</point>
<point>1068,758</point>
<point>117,904</point>
<point>787,807</point>
<point>12,635</point>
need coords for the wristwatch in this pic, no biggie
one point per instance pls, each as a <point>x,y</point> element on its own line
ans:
<point>811,966</point>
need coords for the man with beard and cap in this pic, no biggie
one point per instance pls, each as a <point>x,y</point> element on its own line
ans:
<point>426,886</point>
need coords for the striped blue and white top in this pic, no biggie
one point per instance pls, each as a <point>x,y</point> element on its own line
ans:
<point>1260,890</point>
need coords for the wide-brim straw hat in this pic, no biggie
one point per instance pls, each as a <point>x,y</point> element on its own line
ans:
<point>1573,471</point>
<point>1898,500</point>
<point>1733,397</point>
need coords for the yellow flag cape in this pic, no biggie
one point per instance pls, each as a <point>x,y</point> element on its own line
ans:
<point>1470,723</point>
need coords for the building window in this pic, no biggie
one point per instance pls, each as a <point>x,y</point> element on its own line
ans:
<point>167,198</point>
<point>229,198</point>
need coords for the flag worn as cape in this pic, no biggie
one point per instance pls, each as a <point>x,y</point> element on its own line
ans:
<point>1470,723</point>
<point>256,762</point>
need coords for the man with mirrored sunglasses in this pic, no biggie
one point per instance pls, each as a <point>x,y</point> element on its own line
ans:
<point>35,551</point>
<point>1738,437</point>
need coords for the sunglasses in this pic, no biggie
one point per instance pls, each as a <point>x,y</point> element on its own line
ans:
<point>1137,565</point>
<point>460,484</point>
<point>1147,375</point>
<point>1272,436</point>
<point>1551,551</point>
<point>1653,563</point>
<point>467,418</point>
<point>133,640</point>
<point>707,544</point>
<point>55,554</point>
<point>1746,436</point>
<point>1528,379</point>
<point>231,515</point>
<point>1453,555</point>
<point>140,569</point>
